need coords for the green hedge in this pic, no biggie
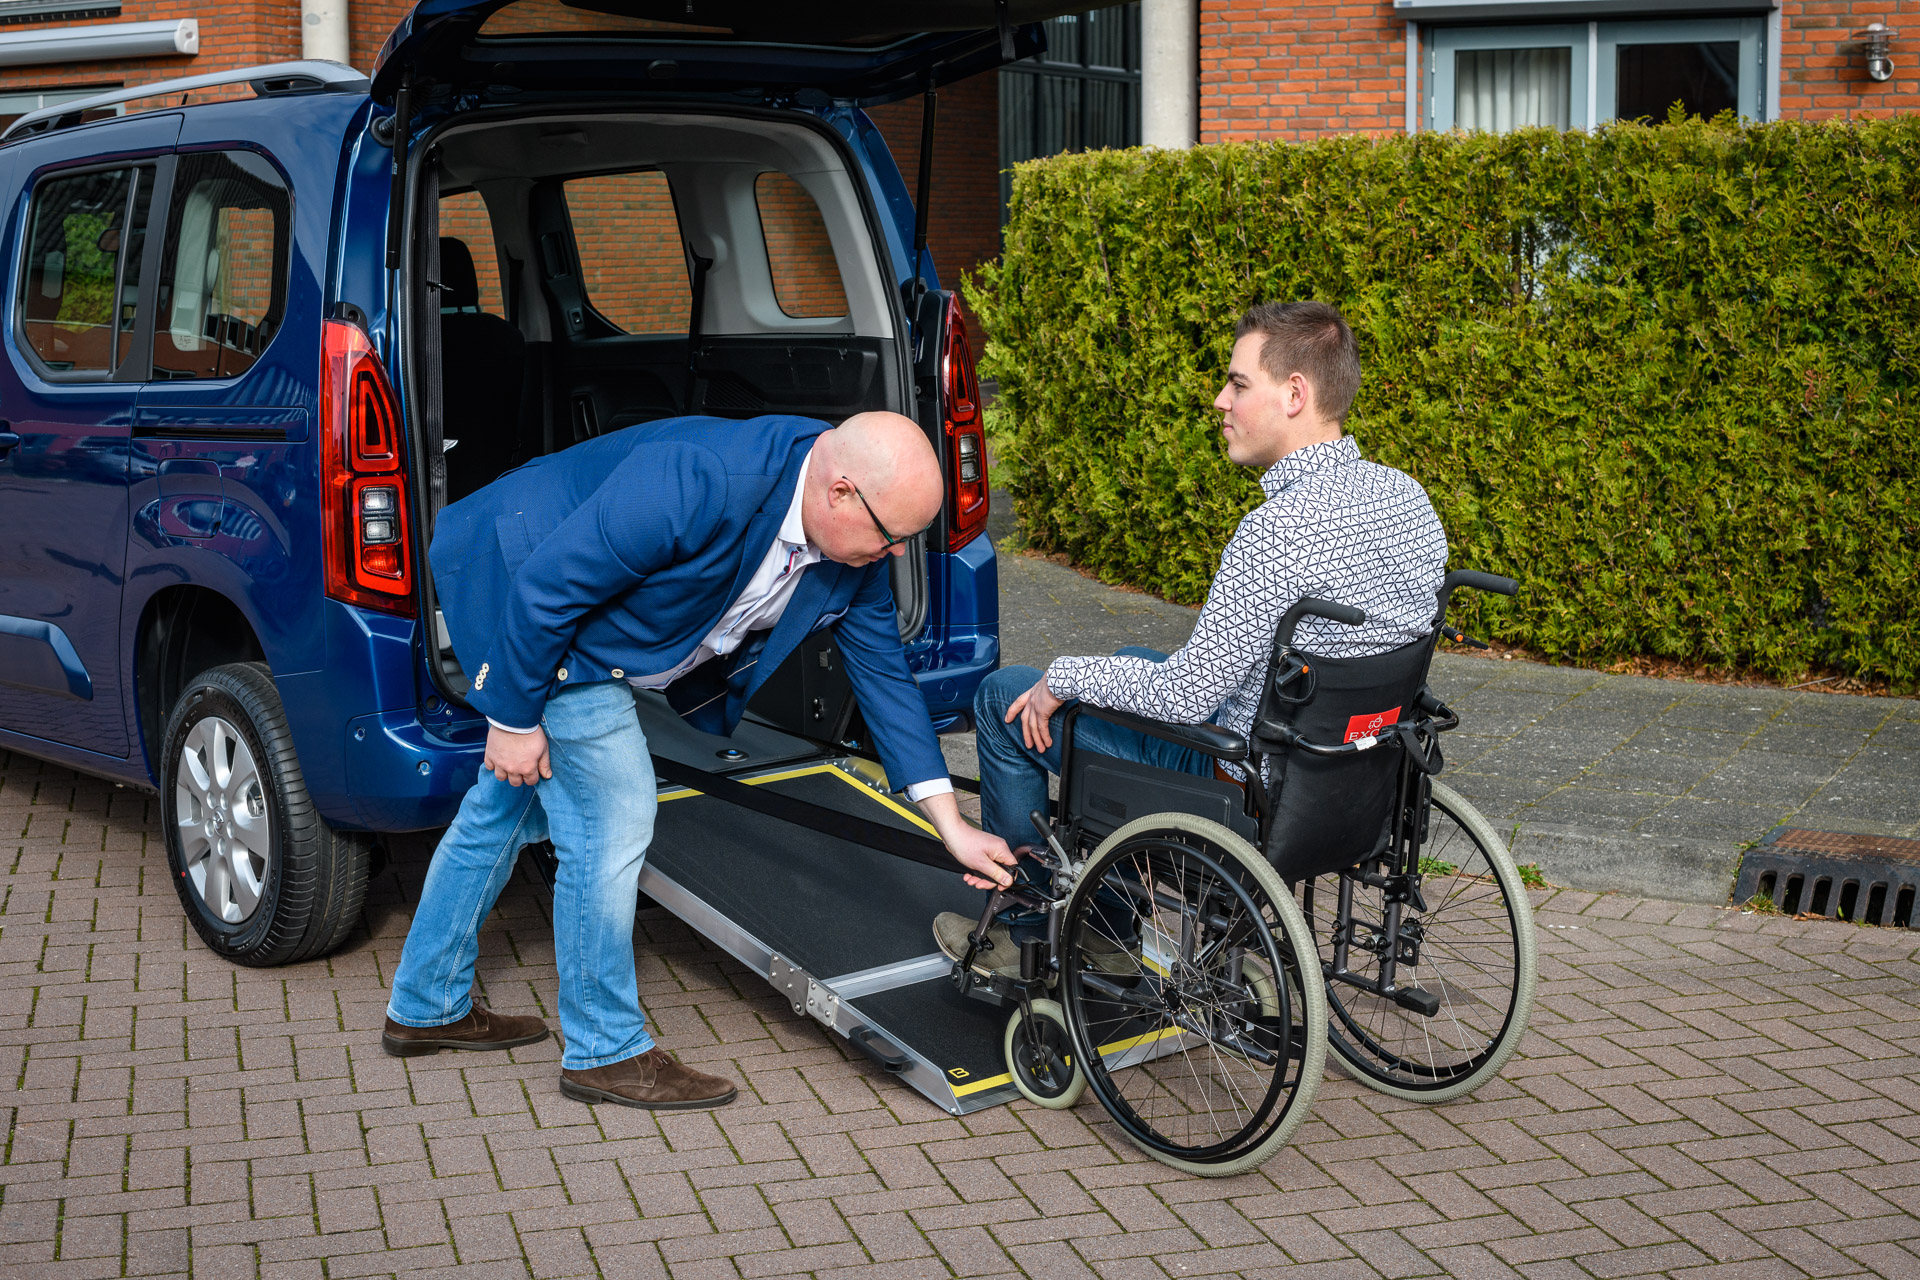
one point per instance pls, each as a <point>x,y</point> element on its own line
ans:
<point>1666,376</point>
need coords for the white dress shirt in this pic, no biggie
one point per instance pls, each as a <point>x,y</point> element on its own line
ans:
<point>758,608</point>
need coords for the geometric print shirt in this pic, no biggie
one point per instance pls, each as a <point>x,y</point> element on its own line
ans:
<point>1333,526</point>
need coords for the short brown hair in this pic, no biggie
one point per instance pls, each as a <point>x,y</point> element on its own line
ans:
<point>1311,339</point>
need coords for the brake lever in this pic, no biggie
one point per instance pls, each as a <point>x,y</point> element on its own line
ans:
<point>1460,637</point>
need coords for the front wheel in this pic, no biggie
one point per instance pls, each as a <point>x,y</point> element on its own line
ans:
<point>1040,1056</point>
<point>263,878</point>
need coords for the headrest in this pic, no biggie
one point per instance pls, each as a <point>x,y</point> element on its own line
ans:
<point>459,285</point>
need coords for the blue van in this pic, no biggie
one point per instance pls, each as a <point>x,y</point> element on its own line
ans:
<point>254,345</point>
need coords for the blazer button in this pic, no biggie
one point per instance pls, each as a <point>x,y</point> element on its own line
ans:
<point>618,673</point>
<point>562,673</point>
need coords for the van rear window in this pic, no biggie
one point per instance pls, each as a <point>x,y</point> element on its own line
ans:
<point>631,255</point>
<point>223,270</point>
<point>806,279</point>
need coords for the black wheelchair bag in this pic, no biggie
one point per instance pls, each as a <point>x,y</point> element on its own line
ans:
<point>1330,812</point>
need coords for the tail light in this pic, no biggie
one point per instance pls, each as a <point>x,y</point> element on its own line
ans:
<point>966,435</point>
<point>364,521</point>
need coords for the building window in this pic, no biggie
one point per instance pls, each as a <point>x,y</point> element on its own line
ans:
<point>1082,93</point>
<point>1574,75</point>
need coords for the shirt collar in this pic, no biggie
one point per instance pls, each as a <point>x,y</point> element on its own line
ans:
<point>793,531</point>
<point>1303,462</point>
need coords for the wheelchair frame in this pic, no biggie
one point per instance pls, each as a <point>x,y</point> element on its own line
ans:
<point>1394,869</point>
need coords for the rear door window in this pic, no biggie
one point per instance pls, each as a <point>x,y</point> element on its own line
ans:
<point>806,279</point>
<point>628,238</point>
<point>80,290</point>
<point>223,270</point>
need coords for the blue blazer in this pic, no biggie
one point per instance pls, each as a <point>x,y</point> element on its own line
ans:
<point>617,556</point>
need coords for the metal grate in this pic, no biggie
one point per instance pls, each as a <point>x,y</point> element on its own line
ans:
<point>1840,875</point>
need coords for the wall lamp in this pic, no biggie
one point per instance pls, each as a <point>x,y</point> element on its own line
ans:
<point>1876,48</point>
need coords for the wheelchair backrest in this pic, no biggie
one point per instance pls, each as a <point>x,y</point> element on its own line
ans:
<point>1329,812</point>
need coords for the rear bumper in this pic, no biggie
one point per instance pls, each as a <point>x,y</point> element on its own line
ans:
<point>401,776</point>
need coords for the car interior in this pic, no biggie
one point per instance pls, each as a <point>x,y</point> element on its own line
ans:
<point>593,272</point>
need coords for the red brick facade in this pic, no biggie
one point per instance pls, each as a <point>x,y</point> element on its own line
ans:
<point>1287,72</point>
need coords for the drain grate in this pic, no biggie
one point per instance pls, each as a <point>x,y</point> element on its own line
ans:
<point>1867,879</point>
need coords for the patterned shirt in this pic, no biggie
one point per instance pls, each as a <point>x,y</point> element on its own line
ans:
<point>1333,526</point>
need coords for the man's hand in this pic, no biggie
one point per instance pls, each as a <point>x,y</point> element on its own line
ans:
<point>517,758</point>
<point>1035,708</point>
<point>985,856</point>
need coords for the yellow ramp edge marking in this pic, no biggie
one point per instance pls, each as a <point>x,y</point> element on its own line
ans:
<point>879,798</point>
<point>1106,1050</point>
<point>681,793</point>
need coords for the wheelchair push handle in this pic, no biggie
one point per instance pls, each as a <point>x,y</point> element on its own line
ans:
<point>1308,606</point>
<point>1473,580</point>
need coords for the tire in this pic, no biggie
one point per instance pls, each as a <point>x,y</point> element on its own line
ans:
<point>1478,955</point>
<point>263,878</point>
<point>1214,925</point>
<point>1046,1071</point>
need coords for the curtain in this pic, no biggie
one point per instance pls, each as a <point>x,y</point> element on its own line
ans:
<point>1502,89</point>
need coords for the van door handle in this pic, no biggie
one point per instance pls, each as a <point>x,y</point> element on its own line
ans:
<point>9,440</point>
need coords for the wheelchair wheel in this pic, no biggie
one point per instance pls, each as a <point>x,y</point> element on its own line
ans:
<point>1473,950</point>
<point>1178,955</point>
<point>1040,1057</point>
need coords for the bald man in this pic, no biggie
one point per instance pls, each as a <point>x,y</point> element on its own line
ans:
<point>692,556</point>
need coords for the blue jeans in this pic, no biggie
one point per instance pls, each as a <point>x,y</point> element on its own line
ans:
<point>598,809</point>
<point>1013,777</point>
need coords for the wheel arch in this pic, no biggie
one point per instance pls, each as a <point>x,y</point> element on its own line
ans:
<point>183,631</point>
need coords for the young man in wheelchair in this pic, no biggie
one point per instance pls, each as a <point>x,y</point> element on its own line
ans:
<point>1333,526</point>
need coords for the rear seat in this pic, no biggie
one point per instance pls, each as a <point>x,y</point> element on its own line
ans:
<point>482,367</point>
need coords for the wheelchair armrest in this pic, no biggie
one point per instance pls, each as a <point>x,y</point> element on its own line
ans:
<point>1207,739</point>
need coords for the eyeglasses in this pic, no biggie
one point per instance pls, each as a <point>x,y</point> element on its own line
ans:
<point>890,540</point>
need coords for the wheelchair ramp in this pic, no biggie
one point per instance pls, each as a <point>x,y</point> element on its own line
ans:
<point>843,931</point>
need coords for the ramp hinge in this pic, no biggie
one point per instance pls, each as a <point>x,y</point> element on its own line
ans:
<point>803,992</point>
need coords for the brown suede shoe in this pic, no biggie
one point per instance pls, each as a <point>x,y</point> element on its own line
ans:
<point>482,1028</point>
<point>653,1080</point>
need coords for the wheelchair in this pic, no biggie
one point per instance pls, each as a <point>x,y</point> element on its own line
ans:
<point>1208,941</point>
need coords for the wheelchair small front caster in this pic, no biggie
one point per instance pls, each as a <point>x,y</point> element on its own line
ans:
<point>1040,1056</point>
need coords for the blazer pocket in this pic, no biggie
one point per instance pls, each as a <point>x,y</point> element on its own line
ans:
<point>826,620</point>
<point>516,544</point>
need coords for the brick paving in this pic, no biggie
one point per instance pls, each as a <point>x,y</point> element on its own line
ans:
<point>1703,1094</point>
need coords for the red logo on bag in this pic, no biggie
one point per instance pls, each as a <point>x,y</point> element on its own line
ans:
<point>1370,726</point>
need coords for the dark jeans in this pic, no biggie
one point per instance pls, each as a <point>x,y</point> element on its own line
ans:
<point>1013,777</point>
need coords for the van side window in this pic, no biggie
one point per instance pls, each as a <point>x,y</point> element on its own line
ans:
<point>806,279</point>
<point>223,271</point>
<point>80,289</point>
<point>464,216</point>
<point>628,238</point>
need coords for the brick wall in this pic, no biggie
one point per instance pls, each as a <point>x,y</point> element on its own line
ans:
<point>1296,71</point>
<point>233,33</point>
<point>1822,73</point>
<point>964,227</point>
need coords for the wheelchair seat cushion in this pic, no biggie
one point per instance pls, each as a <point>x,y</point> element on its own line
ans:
<point>1329,812</point>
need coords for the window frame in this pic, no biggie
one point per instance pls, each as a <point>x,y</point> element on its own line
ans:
<point>1750,31</point>
<point>1595,71</point>
<point>1448,42</point>
<point>579,265</point>
<point>130,367</point>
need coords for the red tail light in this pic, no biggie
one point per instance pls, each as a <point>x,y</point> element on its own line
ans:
<point>966,435</point>
<point>363,512</point>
